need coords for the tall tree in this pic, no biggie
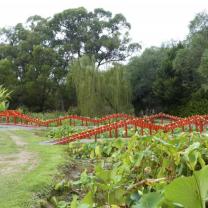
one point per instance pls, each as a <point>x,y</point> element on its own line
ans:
<point>142,72</point>
<point>166,86</point>
<point>97,34</point>
<point>100,92</point>
<point>37,54</point>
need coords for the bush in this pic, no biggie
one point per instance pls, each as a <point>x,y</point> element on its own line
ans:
<point>193,107</point>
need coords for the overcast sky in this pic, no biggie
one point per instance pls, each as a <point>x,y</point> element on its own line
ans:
<point>152,21</point>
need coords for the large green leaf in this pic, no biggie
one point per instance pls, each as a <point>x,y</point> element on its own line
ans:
<point>2,106</point>
<point>4,96</point>
<point>150,200</point>
<point>87,201</point>
<point>191,155</point>
<point>191,192</point>
<point>98,151</point>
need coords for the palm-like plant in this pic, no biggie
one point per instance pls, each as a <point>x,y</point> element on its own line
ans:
<point>4,96</point>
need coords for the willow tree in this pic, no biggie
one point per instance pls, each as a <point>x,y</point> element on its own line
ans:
<point>116,89</point>
<point>85,77</point>
<point>100,92</point>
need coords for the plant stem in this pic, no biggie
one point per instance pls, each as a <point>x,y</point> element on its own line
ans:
<point>199,191</point>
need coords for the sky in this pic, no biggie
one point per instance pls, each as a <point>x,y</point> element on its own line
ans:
<point>153,22</point>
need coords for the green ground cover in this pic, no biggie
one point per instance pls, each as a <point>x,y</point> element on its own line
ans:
<point>27,167</point>
<point>6,144</point>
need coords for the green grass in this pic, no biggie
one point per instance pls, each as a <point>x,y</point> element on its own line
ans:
<point>18,188</point>
<point>6,144</point>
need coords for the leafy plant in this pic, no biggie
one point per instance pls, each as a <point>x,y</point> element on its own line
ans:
<point>62,131</point>
<point>136,172</point>
<point>4,96</point>
<point>189,191</point>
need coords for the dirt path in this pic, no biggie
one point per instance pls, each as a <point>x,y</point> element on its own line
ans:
<point>16,162</point>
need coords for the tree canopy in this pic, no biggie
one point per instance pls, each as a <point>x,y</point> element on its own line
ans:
<point>35,57</point>
<point>173,77</point>
<point>56,63</point>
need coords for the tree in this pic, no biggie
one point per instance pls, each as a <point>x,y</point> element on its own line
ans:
<point>142,73</point>
<point>35,56</point>
<point>116,90</point>
<point>167,85</point>
<point>85,78</point>
<point>199,24</point>
<point>42,79</point>
<point>203,68</point>
<point>37,68</point>
<point>100,92</point>
<point>97,34</point>
<point>7,72</point>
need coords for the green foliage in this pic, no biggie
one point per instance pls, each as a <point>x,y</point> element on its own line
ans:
<point>104,149</point>
<point>55,64</point>
<point>199,23</point>
<point>193,107</point>
<point>44,115</point>
<point>7,73</point>
<point>100,92</point>
<point>116,90</point>
<point>169,78</point>
<point>62,131</point>
<point>150,200</point>
<point>35,57</point>
<point>23,182</point>
<point>166,85</point>
<point>4,96</point>
<point>98,34</point>
<point>189,191</point>
<point>139,172</point>
<point>142,73</point>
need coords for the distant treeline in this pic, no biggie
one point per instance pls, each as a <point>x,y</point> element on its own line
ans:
<point>173,78</point>
<point>60,63</point>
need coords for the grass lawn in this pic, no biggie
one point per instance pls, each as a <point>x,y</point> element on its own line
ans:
<point>26,167</point>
